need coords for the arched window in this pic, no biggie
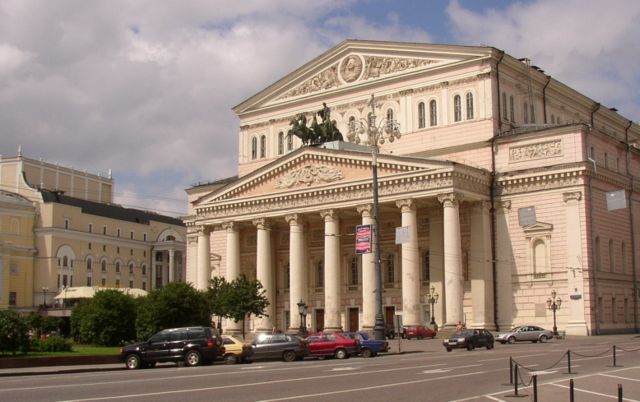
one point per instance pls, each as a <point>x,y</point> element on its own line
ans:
<point>457,108</point>
<point>320,274</point>
<point>469,99</point>
<point>144,270</point>
<point>254,148</point>
<point>512,109</point>
<point>353,272</point>
<point>421,115</point>
<point>612,257</point>
<point>433,113</point>
<point>263,146</point>
<point>65,261</point>
<point>390,118</point>
<point>525,111</point>
<point>352,124</point>
<point>131,268</point>
<point>540,263</point>
<point>103,266</point>
<point>505,115</point>
<point>289,142</point>
<point>118,267</point>
<point>391,269</point>
<point>89,264</point>
<point>280,143</point>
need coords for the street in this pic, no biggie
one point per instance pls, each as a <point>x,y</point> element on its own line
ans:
<point>424,372</point>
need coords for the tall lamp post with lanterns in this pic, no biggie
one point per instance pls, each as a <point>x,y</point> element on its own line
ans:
<point>44,297</point>
<point>554,304</point>
<point>433,299</point>
<point>373,134</point>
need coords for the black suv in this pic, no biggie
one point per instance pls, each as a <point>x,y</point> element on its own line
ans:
<point>193,345</point>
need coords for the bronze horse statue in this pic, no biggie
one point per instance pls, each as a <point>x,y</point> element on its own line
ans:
<point>317,133</point>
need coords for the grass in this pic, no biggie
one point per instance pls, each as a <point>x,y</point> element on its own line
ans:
<point>78,350</point>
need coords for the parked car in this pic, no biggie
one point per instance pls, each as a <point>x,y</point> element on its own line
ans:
<point>417,332</point>
<point>330,345</point>
<point>469,339</point>
<point>278,346</point>
<point>192,345</point>
<point>523,333</point>
<point>236,351</point>
<point>368,347</point>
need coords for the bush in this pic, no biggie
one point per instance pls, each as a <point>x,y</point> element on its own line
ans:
<point>106,319</point>
<point>55,343</point>
<point>13,332</point>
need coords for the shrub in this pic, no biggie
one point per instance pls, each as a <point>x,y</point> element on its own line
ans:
<point>55,343</point>
<point>13,332</point>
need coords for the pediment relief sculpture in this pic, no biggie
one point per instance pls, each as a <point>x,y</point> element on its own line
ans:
<point>308,175</point>
<point>356,68</point>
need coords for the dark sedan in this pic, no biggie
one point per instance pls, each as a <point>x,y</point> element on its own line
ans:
<point>279,346</point>
<point>469,339</point>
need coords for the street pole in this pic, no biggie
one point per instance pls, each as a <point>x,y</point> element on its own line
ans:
<point>378,329</point>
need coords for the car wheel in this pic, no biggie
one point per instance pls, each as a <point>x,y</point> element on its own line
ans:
<point>470,346</point>
<point>289,356</point>
<point>512,339</point>
<point>543,338</point>
<point>341,354</point>
<point>367,353</point>
<point>489,346</point>
<point>193,358</point>
<point>150,365</point>
<point>420,337</point>
<point>448,349</point>
<point>133,362</point>
<point>230,358</point>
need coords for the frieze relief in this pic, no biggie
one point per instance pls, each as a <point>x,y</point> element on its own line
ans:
<point>535,151</point>
<point>379,66</point>
<point>324,80</point>
<point>309,175</point>
<point>518,186</point>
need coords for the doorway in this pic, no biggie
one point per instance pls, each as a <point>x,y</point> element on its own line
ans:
<point>389,315</point>
<point>354,322</point>
<point>319,317</point>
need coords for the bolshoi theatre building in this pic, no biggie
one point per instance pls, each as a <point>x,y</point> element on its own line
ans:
<point>500,190</point>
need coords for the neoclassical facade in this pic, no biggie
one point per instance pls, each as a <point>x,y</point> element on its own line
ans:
<point>501,182</point>
<point>78,237</point>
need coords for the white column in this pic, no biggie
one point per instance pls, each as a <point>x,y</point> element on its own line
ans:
<point>152,284</point>
<point>204,258</point>
<point>505,266</point>
<point>410,265</point>
<point>297,288</point>
<point>172,264</point>
<point>368,276</point>
<point>233,267</point>
<point>436,262</point>
<point>332,270</point>
<point>576,324</point>
<point>481,268</point>
<point>264,273</point>
<point>452,259</point>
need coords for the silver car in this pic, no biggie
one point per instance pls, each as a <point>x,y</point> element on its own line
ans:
<point>530,333</point>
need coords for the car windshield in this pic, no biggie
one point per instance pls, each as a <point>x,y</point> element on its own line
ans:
<point>464,332</point>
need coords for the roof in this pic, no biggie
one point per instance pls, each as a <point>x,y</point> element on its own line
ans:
<point>109,210</point>
<point>7,197</point>
<point>87,292</point>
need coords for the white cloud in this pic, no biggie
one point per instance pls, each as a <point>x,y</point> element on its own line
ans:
<point>11,58</point>
<point>590,45</point>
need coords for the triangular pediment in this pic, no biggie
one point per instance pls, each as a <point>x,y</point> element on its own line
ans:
<point>311,168</point>
<point>538,227</point>
<point>355,63</point>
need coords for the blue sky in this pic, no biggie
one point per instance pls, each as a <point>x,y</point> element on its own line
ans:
<point>145,88</point>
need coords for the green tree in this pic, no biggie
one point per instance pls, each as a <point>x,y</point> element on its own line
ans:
<point>218,296</point>
<point>106,319</point>
<point>13,332</point>
<point>176,305</point>
<point>246,297</point>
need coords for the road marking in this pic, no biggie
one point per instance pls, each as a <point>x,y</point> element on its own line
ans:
<point>251,367</point>
<point>343,368</point>
<point>543,372</point>
<point>436,371</point>
<point>620,378</point>
<point>593,392</point>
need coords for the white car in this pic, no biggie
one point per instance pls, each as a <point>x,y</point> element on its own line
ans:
<point>527,333</point>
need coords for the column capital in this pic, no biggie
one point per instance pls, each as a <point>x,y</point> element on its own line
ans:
<point>406,205</point>
<point>572,196</point>
<point>503,206</point>
<point>294,219</point>
<point>449,200</point>
<point>262,223</point>
<point>230,226</point>
<point>329,215</point>
<point>365,210</point>
<point>203,230</point>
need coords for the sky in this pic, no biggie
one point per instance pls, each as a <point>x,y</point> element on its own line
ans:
<point>145,88</point>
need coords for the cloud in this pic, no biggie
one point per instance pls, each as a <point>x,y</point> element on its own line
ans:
<point>590,45</point>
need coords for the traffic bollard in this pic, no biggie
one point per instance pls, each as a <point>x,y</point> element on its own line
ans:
<point>571,391</point>
<point>620,393</point>
<point>535,388</point>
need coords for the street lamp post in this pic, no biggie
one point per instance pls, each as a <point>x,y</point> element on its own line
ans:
<point>554,304</point>
<point>44,296</point>
<point>433,299</point>
<point>302,310</point>
<point>374,135</point>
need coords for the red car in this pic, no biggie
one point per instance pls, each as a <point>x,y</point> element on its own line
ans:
<point>417,331</point>
<point>330,345</point>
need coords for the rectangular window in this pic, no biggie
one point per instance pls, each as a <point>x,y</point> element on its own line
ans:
<point>425,267</point>
<point>89,246</point>
<point>66,223</point>
<point>103,281</point>
<point>117,283</point>
<point>118,232</point>
<point>13,298</point>
<point>104,248</point>
<point>90,228</point>
<point>144,285</point>
<point>130,284</point>
<point>104,230</point>
<point>144,236</point>
<point>88,281</point>
<point>613,310</point>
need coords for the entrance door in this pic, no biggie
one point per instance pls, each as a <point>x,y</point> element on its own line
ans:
<point>354,323</point>
<point>389,314</point>
<point>319,319</point>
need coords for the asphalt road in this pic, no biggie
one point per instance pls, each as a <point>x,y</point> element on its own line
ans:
<point>426,372</point>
